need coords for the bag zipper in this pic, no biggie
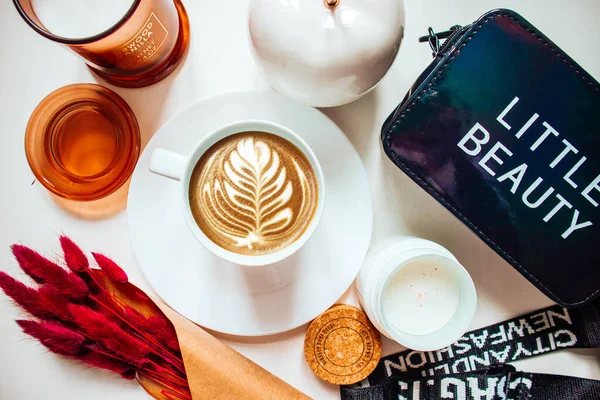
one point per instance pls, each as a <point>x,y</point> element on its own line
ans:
<point>457,34</point>
<point>451,36</point>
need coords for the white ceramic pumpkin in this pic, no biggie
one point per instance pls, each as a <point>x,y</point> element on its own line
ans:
<point>325,52</point>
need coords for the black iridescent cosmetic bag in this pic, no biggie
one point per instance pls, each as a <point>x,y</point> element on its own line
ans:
<point>503,129</point>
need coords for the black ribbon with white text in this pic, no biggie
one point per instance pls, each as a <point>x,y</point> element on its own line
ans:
<point>475,367</point>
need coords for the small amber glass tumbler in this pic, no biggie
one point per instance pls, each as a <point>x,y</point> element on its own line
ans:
<point>82,142</point>
<point>142,48</point>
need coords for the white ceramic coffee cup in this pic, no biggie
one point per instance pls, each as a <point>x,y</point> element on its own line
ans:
<point>385,260</point>
<point>180,167</point>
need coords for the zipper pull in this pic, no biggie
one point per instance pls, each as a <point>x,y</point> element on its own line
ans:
<point>434,38</point>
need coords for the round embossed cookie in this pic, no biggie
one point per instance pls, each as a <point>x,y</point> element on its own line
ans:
<point>342,346</point>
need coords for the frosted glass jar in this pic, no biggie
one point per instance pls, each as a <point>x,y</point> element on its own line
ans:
<point>385,262</point>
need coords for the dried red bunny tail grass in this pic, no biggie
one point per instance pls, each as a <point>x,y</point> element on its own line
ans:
<point>112,307</point>
<point>112,270</point>
<point>51,299</point>
<point>68,343</point>
<point>23,261</point>
<point>157,325</point>
<point>56,337</point>
<point>65,342</point>
<point>117,311</point>
<point>167,332</point>
<point>26,297</point>
<point>74,256</point>
<point>122,319</point>
<point>100,360</point>
<point>110,335</point>
<point>77,262</point>
<point>43,270</point>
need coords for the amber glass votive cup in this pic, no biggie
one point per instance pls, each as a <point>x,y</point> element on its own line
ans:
<point>82,142</point>
<point>142,48</point>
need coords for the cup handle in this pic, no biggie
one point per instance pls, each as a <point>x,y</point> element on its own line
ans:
<point>168,163</point>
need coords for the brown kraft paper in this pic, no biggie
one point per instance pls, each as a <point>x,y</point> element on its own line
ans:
<point>216,371</point>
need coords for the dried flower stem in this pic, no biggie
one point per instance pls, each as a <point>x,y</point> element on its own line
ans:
<point>165,382</point>
<point>173,379</point>
<point>177,378</point>
<point>158,379</point>
<point>169,396</point>
<point>168,357</point>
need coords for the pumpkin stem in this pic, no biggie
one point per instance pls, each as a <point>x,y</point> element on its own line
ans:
<point>332,3</point>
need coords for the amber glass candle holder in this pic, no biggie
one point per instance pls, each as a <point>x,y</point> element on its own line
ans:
<point>142,48</point>
<point>82,142</point>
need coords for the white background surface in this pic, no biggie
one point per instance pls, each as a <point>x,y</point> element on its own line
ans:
<point>220,61</point>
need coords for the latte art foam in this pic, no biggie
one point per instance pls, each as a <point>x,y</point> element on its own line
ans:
<point>253,193</point>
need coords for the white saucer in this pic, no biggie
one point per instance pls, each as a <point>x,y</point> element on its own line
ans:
<point>251,301</point>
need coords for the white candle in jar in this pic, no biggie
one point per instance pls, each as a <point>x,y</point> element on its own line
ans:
<point>416,293</point>
<point>421,296</point>
<point>76,19</point>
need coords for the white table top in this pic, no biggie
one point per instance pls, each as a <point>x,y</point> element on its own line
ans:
<point>220,61</point>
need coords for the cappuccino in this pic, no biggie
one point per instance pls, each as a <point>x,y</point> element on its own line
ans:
<point>253,193</point>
